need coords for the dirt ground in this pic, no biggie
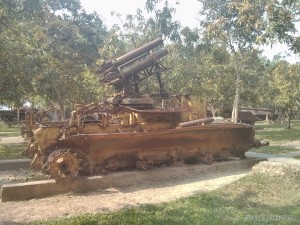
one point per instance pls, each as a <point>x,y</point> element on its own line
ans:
<point>110,199</point>
<point>72,204</point>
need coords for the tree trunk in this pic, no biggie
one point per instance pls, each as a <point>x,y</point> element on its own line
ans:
<point>213,110</point>
<point>289,121</point>
<point>235,108</point>
<point>290,115</point>
<point>213,113</point>
<point>62,110</point>
<point>18,114</point>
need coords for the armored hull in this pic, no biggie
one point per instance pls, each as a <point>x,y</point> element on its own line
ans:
<point>92,152</point>
<point>204,143</point>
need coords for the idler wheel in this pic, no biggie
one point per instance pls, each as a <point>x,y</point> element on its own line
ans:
<point>63,165</point>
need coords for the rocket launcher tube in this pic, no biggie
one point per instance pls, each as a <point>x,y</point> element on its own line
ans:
<point>136,53</point>
<point>143,64</point>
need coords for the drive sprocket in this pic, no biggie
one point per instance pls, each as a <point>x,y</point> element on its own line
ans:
<point>63,165</point>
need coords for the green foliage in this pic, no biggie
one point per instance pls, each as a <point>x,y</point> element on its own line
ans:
<point>139,28</point>
<point>94,91</point>
<point>237,25</point>
<point>252,21</point>
<point>114,45</point>
<point>45,47</point>
<point>162,22</point>
<point>285,81</point>
<point>204,69</point>
<point>18,63</point>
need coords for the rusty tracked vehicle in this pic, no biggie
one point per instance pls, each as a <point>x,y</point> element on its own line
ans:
<point>133,130</point>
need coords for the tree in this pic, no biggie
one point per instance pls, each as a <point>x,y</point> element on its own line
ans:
<point>46,46</point>
<point>208,70</point>
<point>273,20</point>
<point>71,42</point>
<point>19,55</point>
<point>258,21</point>
<point>163,23</point>
<point>202,70</point>
<point>285,80</point>
<point>228,24</point>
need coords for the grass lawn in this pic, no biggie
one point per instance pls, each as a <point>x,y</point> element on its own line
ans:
<point>254,199</point>
<point>6,131</point>
<point>278,135</point>
<point>12,150</point>
<point>10,134</point>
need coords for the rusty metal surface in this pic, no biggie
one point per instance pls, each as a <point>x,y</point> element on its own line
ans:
<point>136,53</point>
<point>131,131</point>
<point>93,148</point>
<point>206,143</point>
<point>126,72</point>
<point>196,122</point>
<point>148,61</point>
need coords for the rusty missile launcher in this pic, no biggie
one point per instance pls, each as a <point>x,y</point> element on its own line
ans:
<point>126,72</point>
<point>132,130</point>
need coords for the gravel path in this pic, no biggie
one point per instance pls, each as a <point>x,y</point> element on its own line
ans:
<point>8,140</point>
<point>73,204</point>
